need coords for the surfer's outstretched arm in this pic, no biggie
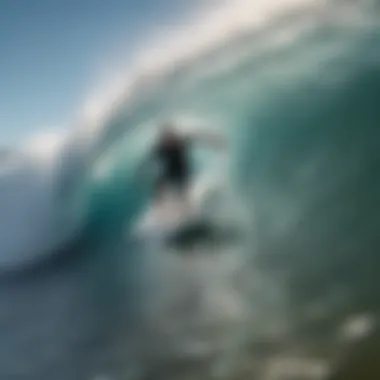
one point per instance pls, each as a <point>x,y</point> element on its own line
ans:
<point>213,139</point>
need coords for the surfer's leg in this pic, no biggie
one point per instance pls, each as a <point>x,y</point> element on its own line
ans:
<point>182,187</point>
<point>159,195</point>
<point>159,189</point>
<point>163,186</point>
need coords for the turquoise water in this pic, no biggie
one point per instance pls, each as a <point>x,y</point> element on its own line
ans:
<point>298,102</point>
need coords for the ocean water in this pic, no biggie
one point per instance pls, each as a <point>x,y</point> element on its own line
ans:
<point>294,86</point>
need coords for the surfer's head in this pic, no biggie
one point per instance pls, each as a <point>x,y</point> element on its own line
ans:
<point>169,133</point>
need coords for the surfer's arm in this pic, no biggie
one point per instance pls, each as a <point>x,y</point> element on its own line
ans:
<point>148,165</point>
<point>213,139</point>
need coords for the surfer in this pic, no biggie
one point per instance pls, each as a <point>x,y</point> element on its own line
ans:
<point>172,154</point>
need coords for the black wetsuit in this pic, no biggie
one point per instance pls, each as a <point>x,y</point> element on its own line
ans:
<point>174,165</point>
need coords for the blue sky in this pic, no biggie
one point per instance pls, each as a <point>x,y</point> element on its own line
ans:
<point>51,51</point>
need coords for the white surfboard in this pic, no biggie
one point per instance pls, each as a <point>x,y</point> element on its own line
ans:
<point>171,218</point>
<point>165,218</point>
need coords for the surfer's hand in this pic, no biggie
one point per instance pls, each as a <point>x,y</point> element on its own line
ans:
<point>216,140</point>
